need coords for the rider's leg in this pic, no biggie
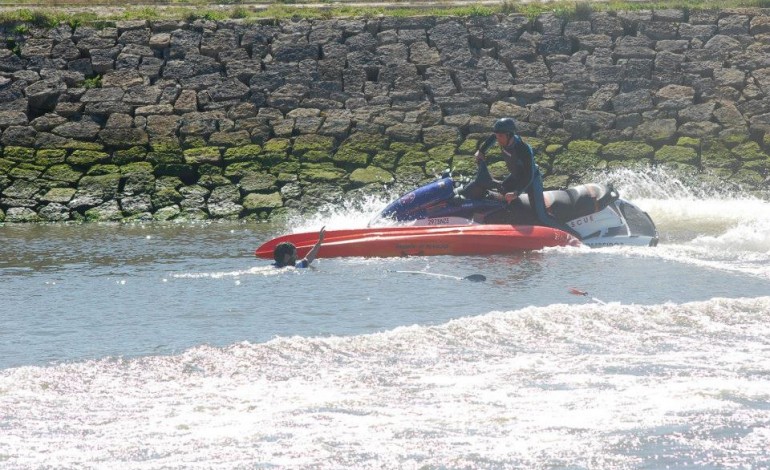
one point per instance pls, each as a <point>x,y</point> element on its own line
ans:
<point>537,202</point>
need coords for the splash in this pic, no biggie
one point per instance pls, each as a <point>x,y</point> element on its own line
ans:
<point>350,213</point>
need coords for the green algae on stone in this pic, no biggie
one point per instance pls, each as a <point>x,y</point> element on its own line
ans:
<point>87,158</point>
<point>320,172</point>
<point>19,154</point>
<point>749,151</point>
<point>241,169</point>
<point>63,173</point>
<point>676,154</point>
<point>579,156</point>
<point>627,150</point>
<point>369,175</point>
<point>257,201</point>
<point>60,195</point>
<point>201,155</point>
<point>48,157</point>
<point>386,159</point>
<point>103,169</point>
<point>129,155</point>
<point>716,155</point>
<point>312,142</point>
<point>349,156</point>
<point>243,153</point>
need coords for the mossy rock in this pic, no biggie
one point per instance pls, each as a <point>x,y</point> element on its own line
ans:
<point>106,185</point>
<point>87,158</point>
<point>405,147</point>
<point>321,172</point>
<point>213,180</point>
<point>552,149</point>
<point>162,158</point>
<point>130,155</point>
<point>195,142</point>
<point>6,165</point>
<point>442,153</point>
<point>26,171</point>
<point>70,144</point>
<point>241,169</point>
<point>109,211</point>
<point>627,150</point>
<point>2,216</point>
<point>19,154</point>
<point>468,147</point>
<point>276,150</point>
<point>410,174</point>
<point>312,142</point>
<point>733,137</point>
<point>60,195</point>
<point>749,151</point>
<point>348,156</point>
<point>579,156</point>
<point>201,155</point>
<point>437,167</point>
<point>717,155</point>
<point>369,175</point>
<point>286,168</point>
<point>537,144</point>
<point>464,165</point>
<point>759,166</point>
<point>210,170</point>
<point>62,172</point>
<point>316,156</point>
<point>674,153</point>
<point>163,145</point>
<point>48,157</point>
<point>748,177</point>
<point>245,153</point>
<point>414,158</point>
<point>688,142</point>
<point>166,213</point>
<point>185,172</point>
<point>258,201</point>
<point>103,169</point>
<point>258,182</point>
<point>498,170</point>
<point>386,159</point>
<point>556,182</point>
<point>165,197</point>
<point>365,142</point>
<point>136,167</point>
<point>21,215</point>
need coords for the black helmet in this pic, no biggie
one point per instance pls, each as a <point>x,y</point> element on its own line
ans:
<point>505,126</point>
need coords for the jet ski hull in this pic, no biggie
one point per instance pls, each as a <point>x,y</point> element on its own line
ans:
<point>455,240</point>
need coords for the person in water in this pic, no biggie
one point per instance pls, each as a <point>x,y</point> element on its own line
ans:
<point>285,254</point>
<point>524,175</point>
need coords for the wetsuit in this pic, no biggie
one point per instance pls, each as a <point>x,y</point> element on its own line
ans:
<point>525,177</point>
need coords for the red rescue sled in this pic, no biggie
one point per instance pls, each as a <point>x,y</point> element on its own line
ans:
<point>457,240</point>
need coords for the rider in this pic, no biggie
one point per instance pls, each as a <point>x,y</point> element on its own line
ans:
<point>524,174</point>
<point>285,253</point>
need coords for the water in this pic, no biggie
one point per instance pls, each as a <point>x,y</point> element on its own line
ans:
<point>170,346</point>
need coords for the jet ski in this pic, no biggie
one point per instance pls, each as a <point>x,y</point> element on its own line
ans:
<point>596,212</point>
<point>449,217</point>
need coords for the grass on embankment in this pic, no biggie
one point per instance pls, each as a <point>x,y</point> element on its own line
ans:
<point>75,12</point>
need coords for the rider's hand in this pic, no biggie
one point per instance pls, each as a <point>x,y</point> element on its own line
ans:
<point>321,234</point>
<point>479,156</point>
<point>510,197</point>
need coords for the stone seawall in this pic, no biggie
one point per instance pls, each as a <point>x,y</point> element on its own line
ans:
<point>236,119</point>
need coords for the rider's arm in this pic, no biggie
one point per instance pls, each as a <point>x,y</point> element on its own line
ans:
<point>311,255</point>
<point>488,142</point>
<point>529,162</point>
